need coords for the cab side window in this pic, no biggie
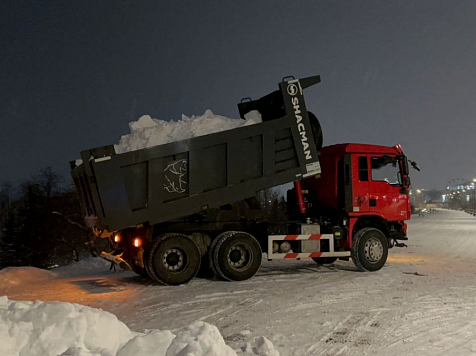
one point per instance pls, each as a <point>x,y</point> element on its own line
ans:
<point>385,169</point>
<point>363,169</point>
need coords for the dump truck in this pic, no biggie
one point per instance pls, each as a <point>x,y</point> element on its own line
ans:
<point>174,209</point>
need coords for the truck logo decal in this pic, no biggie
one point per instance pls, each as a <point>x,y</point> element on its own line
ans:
<point>292,90</point>
<point>175,176</point>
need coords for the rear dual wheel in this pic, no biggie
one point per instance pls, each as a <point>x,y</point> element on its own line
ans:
<point>235,255</point>
<point>141,271</point>
<point>173,259</point>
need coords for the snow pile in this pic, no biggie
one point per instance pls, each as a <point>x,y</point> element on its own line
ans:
<point>148,132</point>
<point>197,339</point>
<point>14,276</point>
<point>55,328</point>
<point>260,346</point>
<point>51,328</point>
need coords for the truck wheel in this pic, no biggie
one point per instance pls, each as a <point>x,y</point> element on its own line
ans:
<point>173,259</point>
<point>146,258</point>
<point>324,260</point>
<point>211,250</point>
<point>369,249</point>
<point>138,270</point>
<point>236,256</point>
<point>316,130</point>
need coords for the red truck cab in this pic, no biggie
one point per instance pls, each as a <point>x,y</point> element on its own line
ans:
<point>366,185</point>
<point>360,202</point>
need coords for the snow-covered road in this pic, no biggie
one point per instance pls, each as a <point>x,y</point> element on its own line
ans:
<point>306,309</point>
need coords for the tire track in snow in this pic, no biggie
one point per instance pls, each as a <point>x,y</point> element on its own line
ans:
<point>355,330</point>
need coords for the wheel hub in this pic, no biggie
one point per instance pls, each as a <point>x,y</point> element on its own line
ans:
<point>239,256</point>
<point>173,259</point>
<point>373,250</point>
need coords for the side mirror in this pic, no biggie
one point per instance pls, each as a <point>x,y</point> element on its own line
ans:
<point>414,165</point>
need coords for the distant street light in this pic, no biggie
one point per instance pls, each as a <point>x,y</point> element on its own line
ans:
<point>418,200</point>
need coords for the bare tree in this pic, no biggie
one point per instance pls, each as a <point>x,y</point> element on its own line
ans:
<point>272,205</point>
<point>49,182</point>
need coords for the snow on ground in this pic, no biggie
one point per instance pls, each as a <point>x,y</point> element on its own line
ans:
<point>17,276</point>
<point>304,309</point>
<point>85,266</point>
<point>147,132</point>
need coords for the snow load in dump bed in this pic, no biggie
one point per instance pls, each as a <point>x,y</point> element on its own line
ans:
<point>149,132</point>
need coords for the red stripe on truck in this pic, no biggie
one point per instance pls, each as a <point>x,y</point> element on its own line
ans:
<point>291,237</point>
<point>315,237</point>
<point>291,255</point>
<point>315,254</point>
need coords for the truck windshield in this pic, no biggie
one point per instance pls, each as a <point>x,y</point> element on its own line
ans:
<point>385,169</point>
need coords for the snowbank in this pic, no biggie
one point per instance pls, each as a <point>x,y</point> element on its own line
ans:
<point>148,132</point>
<point>55,328</point>
<point>14,276</point>
<point>51,328</point>
<point>260,346</point>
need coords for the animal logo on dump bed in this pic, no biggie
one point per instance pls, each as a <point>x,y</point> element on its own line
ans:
<point>175,176</point>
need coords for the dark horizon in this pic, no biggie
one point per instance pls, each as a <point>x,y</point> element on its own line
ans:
<point>72,76</point>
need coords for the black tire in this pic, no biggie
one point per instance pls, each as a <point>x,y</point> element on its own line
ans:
<point>316,130</point>
<point>324,260</point>
<point>173,259</point>
<point>236,256</point>
<point>210,252</point>
<point>138,270</point>
<point>369,249</point>
<point>146,258</point>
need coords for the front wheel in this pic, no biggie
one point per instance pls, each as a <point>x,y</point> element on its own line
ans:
<point>369,249</point>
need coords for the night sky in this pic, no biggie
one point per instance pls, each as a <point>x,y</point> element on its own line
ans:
<point>74,73</point>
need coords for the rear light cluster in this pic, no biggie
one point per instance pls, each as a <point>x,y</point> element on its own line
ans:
<point>118,239</point>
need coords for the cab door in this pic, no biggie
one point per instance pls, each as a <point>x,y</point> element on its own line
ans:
<point>360,183</point>
<point>387,196</point>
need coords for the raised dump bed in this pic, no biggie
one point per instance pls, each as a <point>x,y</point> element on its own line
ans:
<point>178,179</point>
